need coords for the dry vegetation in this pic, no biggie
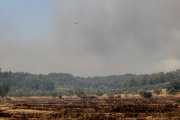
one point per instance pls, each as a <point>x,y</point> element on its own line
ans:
<point>91,109</point>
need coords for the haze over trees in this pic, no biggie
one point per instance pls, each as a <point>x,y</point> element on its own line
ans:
<point>57,84</point>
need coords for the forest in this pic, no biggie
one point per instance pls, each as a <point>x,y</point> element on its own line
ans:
<point>58,84</point>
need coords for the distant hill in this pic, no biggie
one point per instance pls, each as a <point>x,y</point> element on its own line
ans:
<point>26,84</point>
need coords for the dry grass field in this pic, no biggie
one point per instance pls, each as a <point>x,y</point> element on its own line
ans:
<point>157,108</point>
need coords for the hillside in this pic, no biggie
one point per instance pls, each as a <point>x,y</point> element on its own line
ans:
<point>26,84</point>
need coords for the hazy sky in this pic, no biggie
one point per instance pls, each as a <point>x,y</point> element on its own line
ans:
<point>90,37</point>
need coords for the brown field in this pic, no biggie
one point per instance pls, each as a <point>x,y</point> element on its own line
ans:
<point>157,108</point>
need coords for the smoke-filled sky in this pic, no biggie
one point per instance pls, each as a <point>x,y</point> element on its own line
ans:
<point>90,37</point>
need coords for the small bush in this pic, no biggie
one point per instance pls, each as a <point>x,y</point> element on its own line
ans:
<point>146,94</point>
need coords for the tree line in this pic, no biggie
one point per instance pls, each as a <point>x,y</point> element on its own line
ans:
<point>57,84</point>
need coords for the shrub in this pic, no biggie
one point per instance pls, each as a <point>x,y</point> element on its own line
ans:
<point>146,94</point>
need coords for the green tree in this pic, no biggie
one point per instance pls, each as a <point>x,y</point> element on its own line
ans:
<point>48,85</point>
<point>80,93</point>
<point>4,90</point>
<point>174,87</point>
<point>132,83</point>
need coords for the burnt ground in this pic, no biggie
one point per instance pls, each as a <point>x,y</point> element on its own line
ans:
<point>159,108</point>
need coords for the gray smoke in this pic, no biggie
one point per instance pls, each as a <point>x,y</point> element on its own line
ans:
<point>102,37</point>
